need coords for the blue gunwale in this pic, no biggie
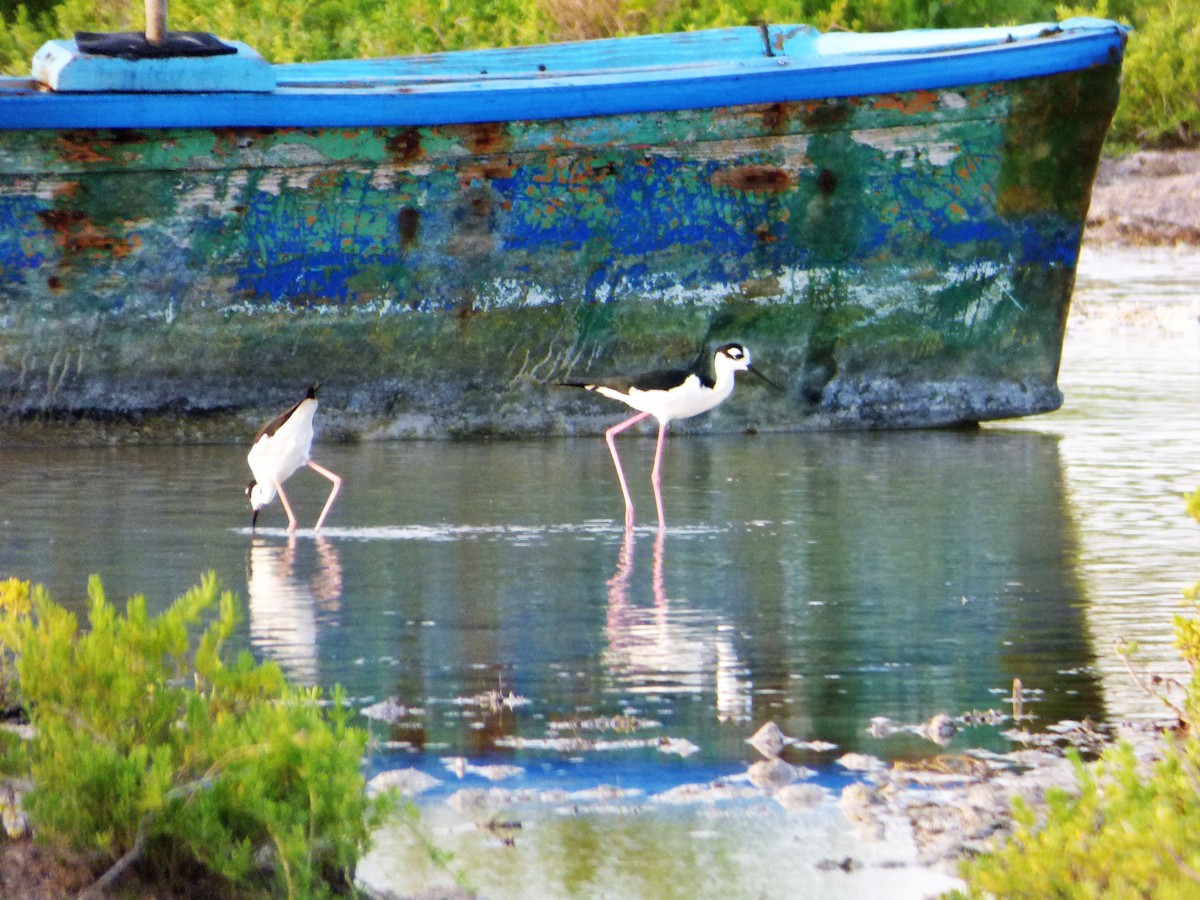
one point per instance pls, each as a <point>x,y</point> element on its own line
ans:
<point>716,68</point>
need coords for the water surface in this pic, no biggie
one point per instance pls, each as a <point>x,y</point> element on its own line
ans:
<point>820,581</point>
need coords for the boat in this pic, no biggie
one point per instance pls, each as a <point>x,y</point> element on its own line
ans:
<point>890,222</point>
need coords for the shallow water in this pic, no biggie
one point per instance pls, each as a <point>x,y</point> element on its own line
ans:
<point>816,580</point>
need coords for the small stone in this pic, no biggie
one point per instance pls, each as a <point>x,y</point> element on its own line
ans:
<point>409,782</point>
<point>772,774</point>
<point>678,746</point>
<point>769,740</point>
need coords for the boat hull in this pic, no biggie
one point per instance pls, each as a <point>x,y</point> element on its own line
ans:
<point>901,259</point>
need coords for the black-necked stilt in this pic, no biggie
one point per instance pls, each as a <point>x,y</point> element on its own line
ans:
<point>282,447</point>
<point>671,394</point>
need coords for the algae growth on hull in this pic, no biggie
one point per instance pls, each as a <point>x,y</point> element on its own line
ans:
<point>895,260</point>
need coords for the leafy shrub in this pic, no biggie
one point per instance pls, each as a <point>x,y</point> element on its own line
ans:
<point>1160,80</point>
<point>1128,833</point>
<point>149,748</point>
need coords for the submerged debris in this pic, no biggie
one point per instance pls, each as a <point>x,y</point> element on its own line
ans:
<point>720,791</point>
<point>846,864</point>
<point>958,804</point>
<point>949,767</point>
<point>577,744</point>
<point>625,723</point>
<point>505,829</point>
<point>1084,736</point>
<point>493,701</point>
<point>477,801</point>
<point>389,710</point>
<point>799,796</point>
<point>940,729</point>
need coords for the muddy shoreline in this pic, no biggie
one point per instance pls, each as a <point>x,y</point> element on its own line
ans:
<point>1148,198</point>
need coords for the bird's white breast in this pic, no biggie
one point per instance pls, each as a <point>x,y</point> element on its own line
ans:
<point>690,398</point>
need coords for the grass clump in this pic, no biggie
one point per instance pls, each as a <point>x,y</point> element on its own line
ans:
<point>151,751</point>
<point>1131,831</point>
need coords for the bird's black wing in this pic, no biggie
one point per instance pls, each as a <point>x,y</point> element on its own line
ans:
<point>662,380</point>
<point>276,423</point>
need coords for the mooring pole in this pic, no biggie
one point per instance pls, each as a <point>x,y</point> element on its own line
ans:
<point>156,21</point>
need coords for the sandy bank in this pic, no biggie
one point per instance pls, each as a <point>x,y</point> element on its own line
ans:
<point>1146,198</point>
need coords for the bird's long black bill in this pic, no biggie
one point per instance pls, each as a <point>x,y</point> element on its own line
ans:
<point>764,378</point>
<point>253,520</point>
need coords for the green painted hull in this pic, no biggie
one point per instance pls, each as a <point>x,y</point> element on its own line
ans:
<point>893,260</point>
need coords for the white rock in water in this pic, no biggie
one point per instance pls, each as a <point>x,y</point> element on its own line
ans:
<point>496,772</point>
<point>772,774</point>
<point>770,741</point>
<point>861,762</point>
<point>680,746</point>
<point>409,782</point>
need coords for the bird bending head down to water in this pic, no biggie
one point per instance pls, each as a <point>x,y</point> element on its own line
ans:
<point>280,448</point>
<point>667,395</point>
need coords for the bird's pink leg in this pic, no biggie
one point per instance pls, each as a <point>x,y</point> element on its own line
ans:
<point>287,507</point>
<point>337,484</point>
<point>612,448</point>
<point>654,480</point>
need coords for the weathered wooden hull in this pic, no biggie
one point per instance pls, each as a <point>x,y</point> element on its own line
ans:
<point>894,259</point>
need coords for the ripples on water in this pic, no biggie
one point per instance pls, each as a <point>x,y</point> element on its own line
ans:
<point>1128,436</point>
<point>819,581</point>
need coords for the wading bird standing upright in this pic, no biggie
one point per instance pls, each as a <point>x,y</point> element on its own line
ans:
<point>282,447</point>
<point>667,395</point>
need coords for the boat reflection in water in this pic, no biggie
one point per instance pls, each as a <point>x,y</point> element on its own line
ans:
<point>287,608</point>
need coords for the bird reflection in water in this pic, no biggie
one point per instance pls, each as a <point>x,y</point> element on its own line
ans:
<point>670,648</point>
<point>286,608</point>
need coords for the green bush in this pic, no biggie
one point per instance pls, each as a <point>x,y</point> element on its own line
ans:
<point>1128,833</point>
<point>149,748</point>
<point>1160,80</point>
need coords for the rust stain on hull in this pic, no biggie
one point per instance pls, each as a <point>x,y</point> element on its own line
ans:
<point>755,179</point>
